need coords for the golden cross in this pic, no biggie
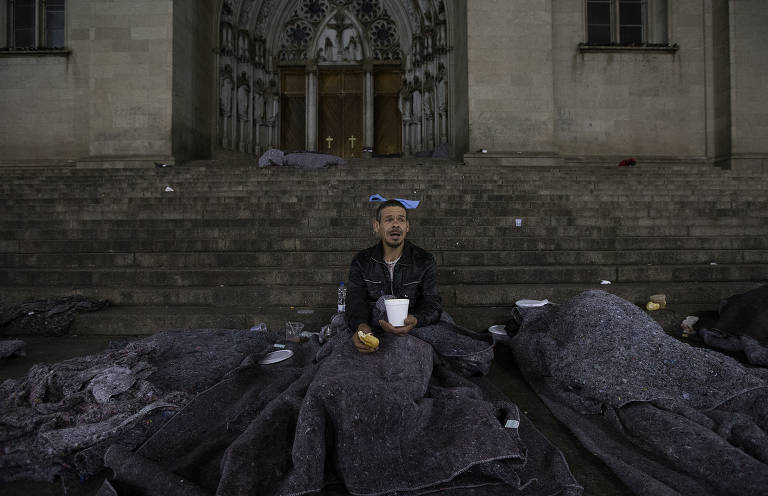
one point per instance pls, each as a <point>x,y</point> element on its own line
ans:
<point>329,140</point>
<point>352,140</point>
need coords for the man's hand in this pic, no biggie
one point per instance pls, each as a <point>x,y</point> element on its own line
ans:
<point>410,322</point>
<point>362,347</point>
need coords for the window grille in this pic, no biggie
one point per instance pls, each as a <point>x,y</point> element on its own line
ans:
<point>626,22</point>
<point>35,24</point>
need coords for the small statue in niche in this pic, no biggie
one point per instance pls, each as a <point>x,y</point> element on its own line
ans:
<point>442,102</point>
<point>227,46</point>
<point>225,105</point>
<point>258,114</point>
<point>243,46</point>
<point>429,110</point>
<point>243,106</point>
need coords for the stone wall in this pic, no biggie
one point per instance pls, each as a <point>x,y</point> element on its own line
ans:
<point>110,97</point>
<point>510,75</point>
<point>644,103</point>
<point>749,81</point>
<point>194,78</point>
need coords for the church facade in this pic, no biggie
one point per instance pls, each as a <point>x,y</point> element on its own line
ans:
<point>529,81</point>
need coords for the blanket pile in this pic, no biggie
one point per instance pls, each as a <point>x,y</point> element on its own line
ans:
<point>668,418</point>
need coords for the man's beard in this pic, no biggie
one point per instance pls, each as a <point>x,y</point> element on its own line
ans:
<point>398,242</point>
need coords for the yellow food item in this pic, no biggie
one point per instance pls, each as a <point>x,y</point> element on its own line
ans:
<point>368,339</point>
<point>652,306</point>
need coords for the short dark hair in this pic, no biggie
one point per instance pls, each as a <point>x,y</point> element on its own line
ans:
<point>389,203</point>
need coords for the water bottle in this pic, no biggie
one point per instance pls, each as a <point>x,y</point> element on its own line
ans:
<point>341,300</point>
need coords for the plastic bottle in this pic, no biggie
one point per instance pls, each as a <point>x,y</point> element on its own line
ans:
<point>341,300</point>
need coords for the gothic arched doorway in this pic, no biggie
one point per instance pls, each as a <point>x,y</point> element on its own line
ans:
<point>340,76</point>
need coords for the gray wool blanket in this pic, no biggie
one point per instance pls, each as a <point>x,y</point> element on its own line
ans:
<point>51,317</point>
<point>59,420</point>
<point>668,418</point>
<point>193,412</point>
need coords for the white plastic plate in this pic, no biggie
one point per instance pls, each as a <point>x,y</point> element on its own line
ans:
<point>276,356</point>
<point>531,303</point>
<point>499,329</point>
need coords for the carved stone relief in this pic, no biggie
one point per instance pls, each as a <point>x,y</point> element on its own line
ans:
<point>337,33</point>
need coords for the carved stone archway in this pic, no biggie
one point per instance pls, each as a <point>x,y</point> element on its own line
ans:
<point>260,40</point>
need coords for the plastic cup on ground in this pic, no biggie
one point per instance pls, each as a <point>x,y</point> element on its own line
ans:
<point>293,331</point>
<point>397,311</point>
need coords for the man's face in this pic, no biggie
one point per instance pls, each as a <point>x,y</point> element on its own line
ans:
<point>392,227</point>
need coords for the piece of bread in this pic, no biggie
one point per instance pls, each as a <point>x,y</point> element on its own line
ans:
<point>368,339</point>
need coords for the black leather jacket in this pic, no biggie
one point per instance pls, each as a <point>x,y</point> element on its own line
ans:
<point>414,278</point>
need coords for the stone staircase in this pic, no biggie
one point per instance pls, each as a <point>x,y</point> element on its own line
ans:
<point>233,244</point>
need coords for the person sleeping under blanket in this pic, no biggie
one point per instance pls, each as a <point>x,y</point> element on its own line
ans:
<point>668,418</point>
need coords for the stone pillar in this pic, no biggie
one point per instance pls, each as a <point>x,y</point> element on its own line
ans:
<point>369,99</point>
<point>311,108</point>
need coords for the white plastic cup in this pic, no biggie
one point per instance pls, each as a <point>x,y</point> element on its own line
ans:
<point>397,311</point>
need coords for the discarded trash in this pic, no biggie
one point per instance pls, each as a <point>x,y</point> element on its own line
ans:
<point>687,325</point>
<point>605,282</point>
<point>712,263</point>
<point>661,299</point>
<point>651,306</point>
<point>261,326</point>
<point>293,331</point>
<point>629,162</point>
<point>518,222</point>
<point>161,165</point>
<point>168,189</point>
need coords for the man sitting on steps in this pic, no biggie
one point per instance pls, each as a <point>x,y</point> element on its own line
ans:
<point>394,267</point>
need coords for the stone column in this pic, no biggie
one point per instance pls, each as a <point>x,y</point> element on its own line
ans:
<point>368,139</point>
<point>311,108</point>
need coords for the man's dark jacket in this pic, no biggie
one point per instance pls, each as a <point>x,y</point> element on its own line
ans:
<point>414,278</point>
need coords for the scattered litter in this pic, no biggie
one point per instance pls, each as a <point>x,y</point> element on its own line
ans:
<point>512,424</point>
<point>482,150</point>
<point>518,222</point>
<point>161,165</point>
<point>712,263</point>
<point>30,313</point>
<point>278,345</point>
<point>261,326</point>
<point>651,306</point>
<point>604,281</point>
<point>168,189</point>
<point>628,162</point>
<point>661,299</point>
<point>687,325</point>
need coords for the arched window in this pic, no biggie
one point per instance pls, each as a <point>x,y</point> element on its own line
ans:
<point>626,22</point>
<point>34,24</point>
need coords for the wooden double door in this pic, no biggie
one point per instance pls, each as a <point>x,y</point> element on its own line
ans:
<point>340,112</point>
<point>341,109</point>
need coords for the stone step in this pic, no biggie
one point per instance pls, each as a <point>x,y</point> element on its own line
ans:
<point>453,295</point>
<point>128,277</point>
<point>353,244</point>
<point>531,226</point>
<point>147,319</point>
<point>285,259</point>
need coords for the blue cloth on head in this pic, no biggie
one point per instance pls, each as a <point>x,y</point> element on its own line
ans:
<point>406,203</point>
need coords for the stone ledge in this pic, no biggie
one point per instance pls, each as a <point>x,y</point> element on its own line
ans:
<point>123,162</point>
<point>514,158</point>
<point>64,52</point>
<point>585,48</point>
